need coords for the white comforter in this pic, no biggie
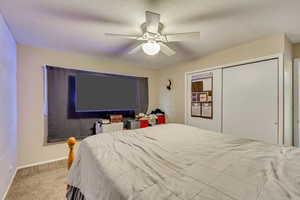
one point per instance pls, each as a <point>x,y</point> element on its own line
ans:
<point>179,162</point>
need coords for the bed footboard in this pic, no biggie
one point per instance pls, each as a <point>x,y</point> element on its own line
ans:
<point>73,193</point>
<point>71,143</point>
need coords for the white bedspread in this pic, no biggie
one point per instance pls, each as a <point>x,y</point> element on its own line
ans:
<point>179,162</point>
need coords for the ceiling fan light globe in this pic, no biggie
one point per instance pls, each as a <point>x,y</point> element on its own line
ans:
<point>151,48</point>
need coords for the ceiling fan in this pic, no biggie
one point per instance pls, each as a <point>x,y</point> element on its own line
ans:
<point>155,40</point>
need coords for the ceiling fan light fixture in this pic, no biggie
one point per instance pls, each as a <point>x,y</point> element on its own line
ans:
<point>151,48</point>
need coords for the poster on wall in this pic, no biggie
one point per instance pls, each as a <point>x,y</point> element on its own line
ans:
<point>202,96</point>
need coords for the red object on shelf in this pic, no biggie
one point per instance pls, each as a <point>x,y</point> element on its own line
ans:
<point>144,123</point>
<point>161,119</point>
<point>116,118</point>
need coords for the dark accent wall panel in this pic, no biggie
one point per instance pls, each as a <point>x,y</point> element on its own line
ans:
<point>63,120</point>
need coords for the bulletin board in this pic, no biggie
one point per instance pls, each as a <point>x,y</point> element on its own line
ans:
<point>202,96</point>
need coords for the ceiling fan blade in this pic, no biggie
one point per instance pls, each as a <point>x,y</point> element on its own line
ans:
<point>124,36</point>
<point>135,49</point>
<point>182,36</point>
<point>68,13</point>
<point>152,21</point>
<point>166,50</point>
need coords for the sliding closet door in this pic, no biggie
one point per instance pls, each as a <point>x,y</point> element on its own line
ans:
<point>250,101</point>
<point>203,100</point>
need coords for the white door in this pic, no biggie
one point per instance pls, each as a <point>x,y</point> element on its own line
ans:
<point>250,101</point>
<point>213,124</point>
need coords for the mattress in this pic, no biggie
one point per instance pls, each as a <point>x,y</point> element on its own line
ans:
<point>180,162</point>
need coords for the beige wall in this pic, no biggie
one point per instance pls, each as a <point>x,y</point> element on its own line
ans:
<point>8,107</point>
<point>173,101</point>
<point>30,96</point>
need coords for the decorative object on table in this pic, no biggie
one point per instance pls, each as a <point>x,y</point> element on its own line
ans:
<point>169,85</point>
<point>116,118</point>
<point>202,96</point>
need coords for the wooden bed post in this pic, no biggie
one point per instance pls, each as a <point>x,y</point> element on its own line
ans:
<point>71,143</point>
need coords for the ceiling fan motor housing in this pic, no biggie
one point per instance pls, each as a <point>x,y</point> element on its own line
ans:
<point>149,36</point>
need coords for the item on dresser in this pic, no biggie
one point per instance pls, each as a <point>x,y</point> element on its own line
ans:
<point>157,111</point>
<point>161,119</point>
<point>152,119</point>
<point>104,121</point>
<point>112,127</point>
<point>116,118</point>
<point>140,115</point>
<point>144,122</point>
<point>97,127</point>
<point>132,124</point>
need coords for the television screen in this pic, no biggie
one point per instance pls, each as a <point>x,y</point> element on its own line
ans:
<point>105,92</point>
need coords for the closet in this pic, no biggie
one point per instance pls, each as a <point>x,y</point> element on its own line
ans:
<point>250,101</point>
<point>245,100</point>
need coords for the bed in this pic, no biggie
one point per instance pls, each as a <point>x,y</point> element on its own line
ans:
<point>179,162</point>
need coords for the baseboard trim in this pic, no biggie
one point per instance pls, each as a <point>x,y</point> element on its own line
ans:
<point>10,183</point>
<point>41,163</point>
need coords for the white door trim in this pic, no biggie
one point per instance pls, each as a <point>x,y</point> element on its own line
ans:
<point>296,99</point>
<point>278,56</point>
<point>273,56</point>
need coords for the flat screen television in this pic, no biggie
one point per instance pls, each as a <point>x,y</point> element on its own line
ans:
<point>105,92</point>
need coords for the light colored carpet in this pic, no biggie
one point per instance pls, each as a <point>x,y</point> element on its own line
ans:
<point>41,183</point>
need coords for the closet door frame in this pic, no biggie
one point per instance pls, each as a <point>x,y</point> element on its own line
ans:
<point>249,61</point>
<point>296,82</point>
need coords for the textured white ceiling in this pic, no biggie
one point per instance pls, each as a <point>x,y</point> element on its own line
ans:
<point>79,26</point>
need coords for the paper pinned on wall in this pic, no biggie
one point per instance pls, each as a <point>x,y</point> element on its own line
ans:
<point>203,96</point>
<point>196,109</point>
<point>206,110</point>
